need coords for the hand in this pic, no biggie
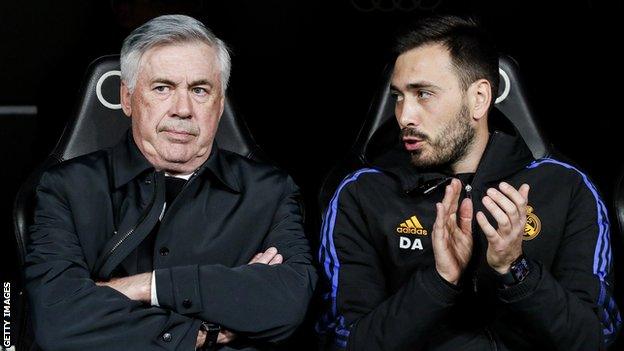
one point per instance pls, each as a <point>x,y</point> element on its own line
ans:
<point>270,257</point>
<point>135,287</point>
<point>508,207</point>
<point>201,339</point>
<point>224,337</point>
<point>452,241</point>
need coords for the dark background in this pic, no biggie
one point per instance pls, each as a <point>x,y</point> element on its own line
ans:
<point>304,73</point>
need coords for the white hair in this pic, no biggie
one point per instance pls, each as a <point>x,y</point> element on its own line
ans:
<point>169,29</point>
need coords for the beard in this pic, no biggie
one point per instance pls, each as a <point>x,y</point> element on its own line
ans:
<point>448,147</point>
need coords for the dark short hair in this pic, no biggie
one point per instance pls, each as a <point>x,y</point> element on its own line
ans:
<point>472,51</point>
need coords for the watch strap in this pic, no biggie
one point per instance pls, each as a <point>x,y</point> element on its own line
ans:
<point>518,271</point>
<point>212,333</point>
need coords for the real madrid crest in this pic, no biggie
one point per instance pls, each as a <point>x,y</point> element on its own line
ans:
<point>533,225</point>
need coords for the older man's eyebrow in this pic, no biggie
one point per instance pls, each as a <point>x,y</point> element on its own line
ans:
<point>164,81</point>
<point>201,82</point>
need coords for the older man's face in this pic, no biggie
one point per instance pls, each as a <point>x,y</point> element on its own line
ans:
<point>176,105</point>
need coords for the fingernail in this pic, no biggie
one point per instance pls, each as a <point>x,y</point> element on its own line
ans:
<point>491,191</point>
<point>272,250</point>
<point>504,185</point>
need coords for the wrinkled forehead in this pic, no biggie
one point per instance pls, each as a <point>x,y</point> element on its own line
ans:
<point>191,60</point>
<point>428,63</point>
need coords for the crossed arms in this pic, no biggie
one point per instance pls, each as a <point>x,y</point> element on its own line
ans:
<point>71,311</point>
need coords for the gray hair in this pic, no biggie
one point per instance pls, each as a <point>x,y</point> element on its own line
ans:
<point>169,29</point>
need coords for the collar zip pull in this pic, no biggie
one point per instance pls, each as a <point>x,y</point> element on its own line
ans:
<point>468,189</point>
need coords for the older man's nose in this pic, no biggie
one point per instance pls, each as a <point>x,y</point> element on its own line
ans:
<point>182,105</point>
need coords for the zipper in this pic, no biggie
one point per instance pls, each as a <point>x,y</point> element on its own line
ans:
<point>146,212</point>
<point>474,280</point>
<point>141,220</point>
<point>469,188</point>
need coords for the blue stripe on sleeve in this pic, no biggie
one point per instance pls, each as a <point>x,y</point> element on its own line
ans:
<point>331,265</point>
<point>609,316</point>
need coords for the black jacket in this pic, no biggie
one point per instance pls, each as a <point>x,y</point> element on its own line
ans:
<point>385,293</point>
<point>93,211</point>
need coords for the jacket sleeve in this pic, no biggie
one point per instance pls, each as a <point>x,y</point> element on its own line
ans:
<point>571,306</point>
<point>364,315</point>
<point>69,311</point>
<point>258,301</point>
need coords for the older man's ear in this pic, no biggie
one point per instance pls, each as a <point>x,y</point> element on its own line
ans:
<point>222,105</point>
<point>125,98</point>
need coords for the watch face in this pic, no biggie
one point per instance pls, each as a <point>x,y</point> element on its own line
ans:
<point>520,269</point>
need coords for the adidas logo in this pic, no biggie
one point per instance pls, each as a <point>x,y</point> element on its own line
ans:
<point>411,226</point>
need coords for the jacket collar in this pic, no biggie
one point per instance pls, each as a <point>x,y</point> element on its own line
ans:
<point>504,155</point>
<point>128,162</point>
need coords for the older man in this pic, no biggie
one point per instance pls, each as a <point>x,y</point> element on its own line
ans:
<point>164,241</point>
<point>440,245</point>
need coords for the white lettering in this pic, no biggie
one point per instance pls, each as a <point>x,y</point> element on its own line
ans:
<point>404,243</point>
<point>7,334</point>
<point>417,245</point>
<point>6,340</point>
<point>407,243</point>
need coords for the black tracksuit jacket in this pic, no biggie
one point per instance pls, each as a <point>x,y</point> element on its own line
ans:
<point>92,213</point>
<point>385,293</point>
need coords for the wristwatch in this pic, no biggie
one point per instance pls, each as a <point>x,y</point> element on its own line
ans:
<point>212,333</point>
<point>518,271</point>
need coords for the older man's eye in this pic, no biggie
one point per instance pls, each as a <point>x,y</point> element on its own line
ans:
<point>161,88</point>
<point>199,91</point>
